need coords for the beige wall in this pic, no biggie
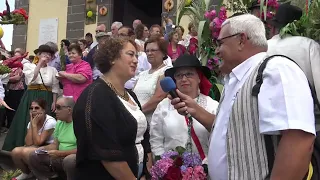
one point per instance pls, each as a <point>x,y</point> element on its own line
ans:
<point>44,9</point>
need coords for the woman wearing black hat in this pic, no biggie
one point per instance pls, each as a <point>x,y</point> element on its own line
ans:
<point>168,129</point>
<point>42,83</point>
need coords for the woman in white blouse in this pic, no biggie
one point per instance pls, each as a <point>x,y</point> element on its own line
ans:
<point>168,129</point>
<point>42,84</point>
<point>148,88</point>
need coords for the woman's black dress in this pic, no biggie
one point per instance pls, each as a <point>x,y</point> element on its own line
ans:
<point>105,130</point>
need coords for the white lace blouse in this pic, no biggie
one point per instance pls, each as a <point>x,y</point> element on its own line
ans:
<point>48,74</point>
<point>146,86</point>
<point>168,129</point>
<point>141,122</point>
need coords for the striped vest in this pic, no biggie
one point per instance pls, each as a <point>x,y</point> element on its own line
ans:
<point>246,151</point>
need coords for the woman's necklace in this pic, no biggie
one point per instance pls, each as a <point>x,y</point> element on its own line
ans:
<point>154,70</point>
<point>125,96</point>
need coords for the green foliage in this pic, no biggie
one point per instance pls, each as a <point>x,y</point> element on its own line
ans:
<point>8,175</point>
<point>4,69</point>
<point>180,150</point>
<point>308,25</point>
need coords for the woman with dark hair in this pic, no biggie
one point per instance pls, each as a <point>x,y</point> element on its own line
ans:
<point>78,74</point>
<point>142,33</point>
<point>83,45</point>
<point>174,49</point>
<point>42,83</point>
<point>39,132</point>
<point>148,88</point>
<point>111,130</point>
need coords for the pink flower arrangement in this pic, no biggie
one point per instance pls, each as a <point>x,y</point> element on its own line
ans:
<point>272,7</point>
<point>196,173</point>
<point>178,165</point>
<point>216,21</point>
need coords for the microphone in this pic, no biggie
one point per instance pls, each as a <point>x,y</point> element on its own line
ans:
<point>169,86</point>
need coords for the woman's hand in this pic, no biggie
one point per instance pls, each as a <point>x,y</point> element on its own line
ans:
<point>184,104</point>
<point>53,106</point>
<point>62,74</point>
<point>35,120</point>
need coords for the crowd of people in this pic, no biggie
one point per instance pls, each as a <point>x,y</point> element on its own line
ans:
<point>96,109</point>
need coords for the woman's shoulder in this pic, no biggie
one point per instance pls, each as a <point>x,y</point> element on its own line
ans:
<point>97,90</point>
<point>210,103</point>
<point>50,122</point>
<point>165,102</point>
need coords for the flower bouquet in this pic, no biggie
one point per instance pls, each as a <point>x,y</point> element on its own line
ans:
<point>18,16</point>
<point>179,165</point>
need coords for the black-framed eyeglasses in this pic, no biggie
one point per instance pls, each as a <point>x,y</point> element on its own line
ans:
<point>220,41</point>
<point>179,76</point>
<point>97,31</point>
<point>34,108</point>
<point>59,107</point>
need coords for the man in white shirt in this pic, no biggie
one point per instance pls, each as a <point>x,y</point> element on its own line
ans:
<point>284,107</point>
<point>304,51</point>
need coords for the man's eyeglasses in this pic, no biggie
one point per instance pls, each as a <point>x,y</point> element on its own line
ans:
<point>219,42</point>
<point>59,107</point>
<point>97,31</point>
<point>34,108</point>
<point>179,76</point>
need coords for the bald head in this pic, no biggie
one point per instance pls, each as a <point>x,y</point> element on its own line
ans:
<point>136,23</point>
<point>101,28</point>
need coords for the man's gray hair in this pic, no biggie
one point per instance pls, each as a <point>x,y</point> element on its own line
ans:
<point>68,101</point>
<point>117,24</point>
<point>53,46</point>
<point>251,25</point>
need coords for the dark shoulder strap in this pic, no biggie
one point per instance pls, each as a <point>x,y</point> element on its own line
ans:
<point>255,92</point>
<point>259,79</point>
<point>134,97</point>
<point>43,81</point>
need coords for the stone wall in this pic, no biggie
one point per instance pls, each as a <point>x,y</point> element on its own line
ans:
<point>107,19</point>
<point>19,36</point>
<point>75,19</point>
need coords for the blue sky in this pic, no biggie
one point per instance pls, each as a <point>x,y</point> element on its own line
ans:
<point>8,29</point>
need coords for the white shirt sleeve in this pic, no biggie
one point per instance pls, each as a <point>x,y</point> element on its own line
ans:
<point>285,100</point>
<point>50,124</point>
<point>156,132</point>
<point>168,62</point>
<point>1,91</point>
<point>55,82</point>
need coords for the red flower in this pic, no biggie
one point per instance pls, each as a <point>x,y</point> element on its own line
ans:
<point>193,46</point>
<point>173,173</point>
<point>178,161</point>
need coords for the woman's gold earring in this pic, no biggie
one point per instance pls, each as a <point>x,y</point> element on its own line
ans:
<point>112,62</point>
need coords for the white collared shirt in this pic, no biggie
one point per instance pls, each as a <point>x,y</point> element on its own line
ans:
<point>284,102</point>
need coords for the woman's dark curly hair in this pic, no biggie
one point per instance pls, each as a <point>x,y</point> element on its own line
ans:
<point>139,31</point>
<point>162,44</point>
<point>110,51</point>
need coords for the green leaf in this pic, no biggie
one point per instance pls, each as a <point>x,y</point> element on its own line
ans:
<point>186,10</point>
<point>180,150</point>
<point>157,158</point>
<point>203,30</point>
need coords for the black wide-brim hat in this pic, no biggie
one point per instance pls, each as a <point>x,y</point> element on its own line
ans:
<point>44,48</point>
<point>187,60</point>
<point>285,14</point>
<point>254,5</point>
